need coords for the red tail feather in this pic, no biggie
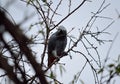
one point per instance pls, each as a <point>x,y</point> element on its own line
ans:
<point>50,60</point>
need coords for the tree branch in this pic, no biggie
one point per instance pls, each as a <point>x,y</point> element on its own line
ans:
<point>22,40</point>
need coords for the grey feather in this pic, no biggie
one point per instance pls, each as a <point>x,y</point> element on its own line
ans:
<point>57,42</point>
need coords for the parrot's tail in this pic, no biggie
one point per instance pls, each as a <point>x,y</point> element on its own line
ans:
<point>51,60</point>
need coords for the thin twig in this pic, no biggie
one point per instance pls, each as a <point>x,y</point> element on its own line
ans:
<point>69,14</point>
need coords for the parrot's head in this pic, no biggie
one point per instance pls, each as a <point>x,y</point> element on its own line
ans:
<point>62,31</point>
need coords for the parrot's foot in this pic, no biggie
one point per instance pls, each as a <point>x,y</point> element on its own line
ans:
<point>64,53</point>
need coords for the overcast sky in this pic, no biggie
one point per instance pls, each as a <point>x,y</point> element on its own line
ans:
<point>78,20</point>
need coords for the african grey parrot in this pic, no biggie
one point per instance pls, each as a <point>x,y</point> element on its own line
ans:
<point>57,44</point>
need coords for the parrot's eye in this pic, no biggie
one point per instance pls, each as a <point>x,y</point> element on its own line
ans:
<point>60,31</point>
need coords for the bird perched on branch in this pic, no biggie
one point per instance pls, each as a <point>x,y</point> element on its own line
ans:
<point>57,44</point>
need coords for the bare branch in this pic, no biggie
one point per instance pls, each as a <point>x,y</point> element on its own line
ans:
<point>9,70</point>
<point>21,39</point>
<point>69,14</point>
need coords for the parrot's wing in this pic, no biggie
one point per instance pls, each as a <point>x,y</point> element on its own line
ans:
<point>51,48</point>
